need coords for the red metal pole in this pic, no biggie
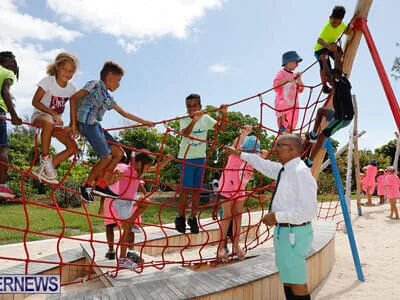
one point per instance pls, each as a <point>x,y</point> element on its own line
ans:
<point>361,24</point>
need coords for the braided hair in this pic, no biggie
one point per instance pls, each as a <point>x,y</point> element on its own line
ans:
<point>7,59</point>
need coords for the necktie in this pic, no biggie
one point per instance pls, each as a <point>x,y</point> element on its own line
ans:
<point>276,188</point>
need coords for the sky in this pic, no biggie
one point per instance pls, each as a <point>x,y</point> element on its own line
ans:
<point>225,50</point>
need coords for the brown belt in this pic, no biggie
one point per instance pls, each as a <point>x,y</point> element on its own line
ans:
<point>293,225</point>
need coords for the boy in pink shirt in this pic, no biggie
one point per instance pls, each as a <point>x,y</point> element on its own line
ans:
<point>392,191</point>
<point>288,85</point>
<point>381,185</point>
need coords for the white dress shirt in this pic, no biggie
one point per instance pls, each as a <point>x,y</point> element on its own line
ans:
<point>295,200</point>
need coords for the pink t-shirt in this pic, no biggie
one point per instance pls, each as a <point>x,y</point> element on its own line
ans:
<point>234,178</point>
<point>126,188</point>
<point>285,96</point>
<point>381,185</point>
<point>392,186</point>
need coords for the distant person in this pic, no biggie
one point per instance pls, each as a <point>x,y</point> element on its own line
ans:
<point>326,43</point>
<point>88,107</point>
<point>369,182</point>
<point>392,191</point>
<point>292,207</point>
<point>192,153</point>
<point>288,86</point>
<point>51,96</point>
<point>380,179</point>
<point>9,73</point>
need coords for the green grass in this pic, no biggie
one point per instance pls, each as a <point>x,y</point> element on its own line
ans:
<point>47,220</point>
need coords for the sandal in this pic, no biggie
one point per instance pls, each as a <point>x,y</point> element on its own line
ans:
<point>224,258</point>
<point>240,255</point>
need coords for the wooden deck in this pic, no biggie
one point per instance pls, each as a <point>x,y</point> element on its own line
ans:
<point>254,278</point>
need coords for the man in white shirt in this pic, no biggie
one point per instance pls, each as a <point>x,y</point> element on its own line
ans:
<point>293,206</point>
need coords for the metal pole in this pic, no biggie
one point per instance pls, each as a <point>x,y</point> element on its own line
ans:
<point>345,211</point>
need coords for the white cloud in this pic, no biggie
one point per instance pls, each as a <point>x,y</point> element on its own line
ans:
<point>219,68</point>
<point>19,26</point>
<point>135,19</point>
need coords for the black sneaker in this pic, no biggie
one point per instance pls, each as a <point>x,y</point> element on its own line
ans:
<point>326,89</point>
<point>180,224</point>
<point>194,227</point>
<point>106,192</point>
<point>133,256</point>
<point>86,193</point>
<point>110,254</point>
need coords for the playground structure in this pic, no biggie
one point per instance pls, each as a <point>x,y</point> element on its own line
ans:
<point>179,253</point>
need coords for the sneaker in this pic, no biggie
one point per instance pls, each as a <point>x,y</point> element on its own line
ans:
<point>326,89</point>
<point>126,263</point>
<point>110,254</point>
<point>38,172</point>
<point>48,171</point>
<point>6,192</point>
<point>180,224</point>
<point>136,229</point>
<point>106,192</point>
<point>312,137</point>
<point>308,162</point>
<point>86,193</point>
<point>133,256</point>
<point>194,227</point>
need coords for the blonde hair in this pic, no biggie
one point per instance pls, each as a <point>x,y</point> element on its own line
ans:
<point>61,58</point>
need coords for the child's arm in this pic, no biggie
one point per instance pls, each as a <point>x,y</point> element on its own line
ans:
<point>195,117</point>
<point>284,81</point>
<point>242,135</point>
<point>222,124</point>
<point>8,100</point>
<point>132,117</point>
<point>162,164</point>
<point>36,103</point>
<point>72,103</point>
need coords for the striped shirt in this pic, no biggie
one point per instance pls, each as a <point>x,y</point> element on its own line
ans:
<point>92,107</point>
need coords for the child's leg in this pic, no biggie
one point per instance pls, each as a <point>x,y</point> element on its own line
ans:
<point>110,236</point>
<point>98,169</point>
<point>125,238</point>
<point>65,138</point>
<point>47,124</point>
<point>237,224</point>
<point>392,205</point>
<point>3,169</point>
<point>116,155</point>
<point>396,212</point>
<point>320,142</point>
<point>369,196</point>
<point>381,199</point>
<point>195,202</point>
<point>224,223</point>
<point>182,202</point>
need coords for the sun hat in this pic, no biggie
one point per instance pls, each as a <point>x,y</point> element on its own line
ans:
<point>290,56</point>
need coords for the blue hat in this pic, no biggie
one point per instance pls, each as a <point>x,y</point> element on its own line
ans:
<point>250,143</point>
<point>372,162</point>
<point>290,56</point>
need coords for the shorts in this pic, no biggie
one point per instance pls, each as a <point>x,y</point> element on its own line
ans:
<point>97,138</point>
<point>334,124</point>
<point>192,175</point>
<point>291,259</point>
<point>324,51</point>
<point>116,210</point>
<point>3,130</point>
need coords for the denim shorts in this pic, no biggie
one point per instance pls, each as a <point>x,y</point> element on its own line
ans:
<point>192,175</point>
<point>97,138</point>
<point>324,51</point>
<point>3,129</point>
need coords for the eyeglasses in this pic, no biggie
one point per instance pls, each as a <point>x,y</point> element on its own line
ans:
<point>281,144</point>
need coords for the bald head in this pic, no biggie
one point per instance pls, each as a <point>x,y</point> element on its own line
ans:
<point>293,140</point>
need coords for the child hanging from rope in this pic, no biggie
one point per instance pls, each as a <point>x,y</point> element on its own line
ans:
<point>126,181</point>
<point>9,72</point>
<point>338,118</point>
<point>232,192</point>
<point>192,153</point>
<point>326,43</point>
<point>88,107</point>
<point>392,184</point>
<point>288,85</point>
<point>53,92</point>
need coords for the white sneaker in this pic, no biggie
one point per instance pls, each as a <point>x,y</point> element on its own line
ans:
<point>127,263</point>
<point>39,173</point>
<point>136,229</point>
<point>49,172</point>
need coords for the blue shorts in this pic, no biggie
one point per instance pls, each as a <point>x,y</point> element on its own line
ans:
<point>291,259</point>
<point>334,124</point>
<point>97,138</point>
<point>192,175</point>
<point>3,130</point>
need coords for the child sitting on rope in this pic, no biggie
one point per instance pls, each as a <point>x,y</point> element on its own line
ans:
<point>326,43</point>
<point>192,153</point>
<point>232,192</point>
<point>126,181</point>
<point>341,115</point>
<point>88,107</point>
<point>288,85</point>
<point>9,72</point>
